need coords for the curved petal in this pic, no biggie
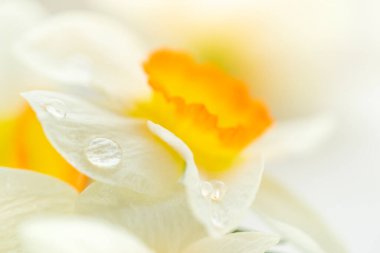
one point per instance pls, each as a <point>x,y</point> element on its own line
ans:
<point>295,236</point>
<point>219,204</point>
<point>82,48</point>
<point>166,224</point>
<point>243,242</point>
<point>105,146</point>
<point>24,145</point>
<point>292,137</point>
<point>77,234</point>
<point>24,194</point>
<point>294,218</point>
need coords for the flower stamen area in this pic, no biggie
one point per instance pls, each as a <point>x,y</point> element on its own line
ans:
<point>210,111</point>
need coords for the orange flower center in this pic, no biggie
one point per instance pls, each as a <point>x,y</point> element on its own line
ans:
<point>210,111</point>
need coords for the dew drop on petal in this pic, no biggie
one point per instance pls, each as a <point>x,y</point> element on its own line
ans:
<point>103,153</point>
<point>206,189</point>
<point>213,190</point>
<point>56,108</point>
<point>219,190</point>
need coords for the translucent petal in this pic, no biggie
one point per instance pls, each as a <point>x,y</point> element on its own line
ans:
<point>105,146</point>
<point>166,224</point>
<point>16,17</point>
<point>295,236</point>
<point>77,234</point>
<point>85,49</point>
<point>24,194</point>
<point>219,214</point>
<point>296,221</point>
<point>243,242</point>
<point>293,137</point>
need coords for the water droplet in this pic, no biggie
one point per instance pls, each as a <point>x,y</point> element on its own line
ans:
<point>103,152</point>
<point>56,108</point>
<point>206,189</point>
<point>214,190</point>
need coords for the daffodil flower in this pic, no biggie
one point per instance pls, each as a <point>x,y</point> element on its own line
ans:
<point>136,136</point>
<point>190,103</point>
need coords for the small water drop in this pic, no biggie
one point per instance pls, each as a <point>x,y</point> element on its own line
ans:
<point>103,153</point>
<point>214,190</point>
<point>206,189</point>
<point>219,190</point>
<point>56,108</point>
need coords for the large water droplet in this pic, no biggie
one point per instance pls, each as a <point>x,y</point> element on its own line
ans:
<point>56,108</point>
<point>103,153</point>
<point>213,190</point>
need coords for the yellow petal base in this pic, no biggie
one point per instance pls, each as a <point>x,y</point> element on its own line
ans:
<point>24,145</point>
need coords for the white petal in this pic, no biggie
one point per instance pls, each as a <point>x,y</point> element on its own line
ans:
<point>82,48</point>
<point>295,236</point>
<point>294,218</point>
<point>166,224</point>
<point>77,235</point>
<point>244,242</point>
<point>24,194</point>
<point>240,185</point>
<point>104,146</point>
<point>292,137</point>
<point>16,17</point>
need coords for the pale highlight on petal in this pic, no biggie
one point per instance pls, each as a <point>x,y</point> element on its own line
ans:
<point>220,204</point>
<point>16,17</point>
<point>24,194</point>
<point>166,224</point>
<point>77,235</point>
<point>295,236</point>
<point>105,146</point>
<point>243,242</point>
<point>293,137</point>
<point>277,203</point>
<point>83,48</point>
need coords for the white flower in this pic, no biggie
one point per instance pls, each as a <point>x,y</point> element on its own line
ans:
<point>93,51</point>
<point>96,138</point>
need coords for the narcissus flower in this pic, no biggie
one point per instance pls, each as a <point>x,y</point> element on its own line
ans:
<point>189,103</point>
<point>147,128</point>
